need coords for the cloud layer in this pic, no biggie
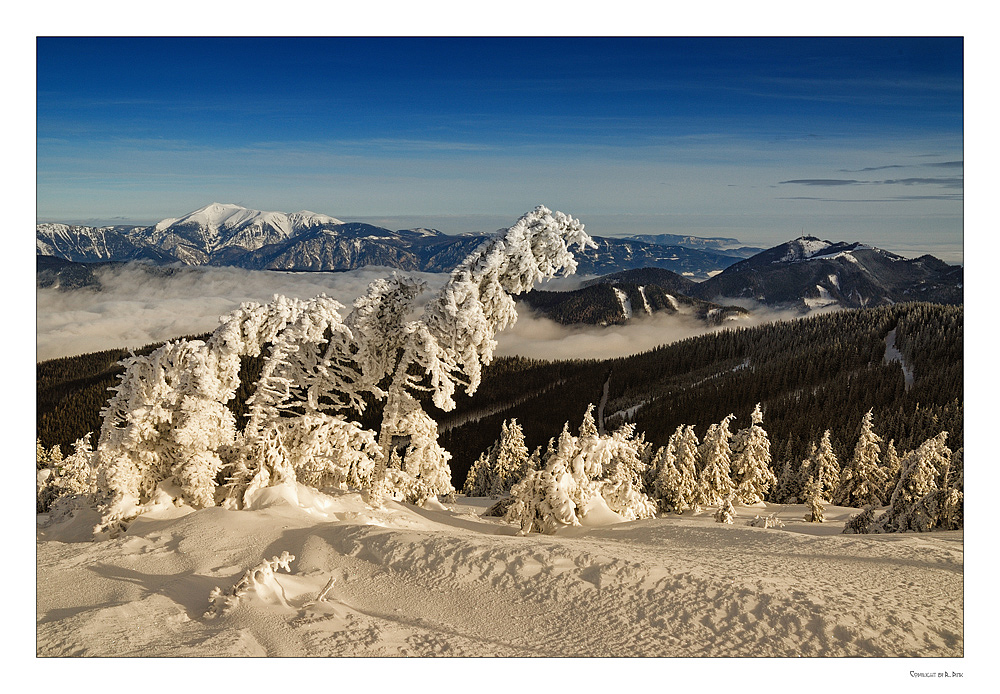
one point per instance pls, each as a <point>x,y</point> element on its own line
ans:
<point>136,307</point>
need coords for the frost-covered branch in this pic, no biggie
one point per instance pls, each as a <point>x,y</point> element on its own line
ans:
<point>252,580</point>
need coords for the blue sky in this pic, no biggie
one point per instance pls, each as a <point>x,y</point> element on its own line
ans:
<point>759,139</point>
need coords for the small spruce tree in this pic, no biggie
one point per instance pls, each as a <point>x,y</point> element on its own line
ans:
<point>862,479</point>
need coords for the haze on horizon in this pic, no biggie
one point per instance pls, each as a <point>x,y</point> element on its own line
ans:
<point>761,139</point>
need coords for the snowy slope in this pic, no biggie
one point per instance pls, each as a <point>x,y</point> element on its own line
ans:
<point>447,582</point>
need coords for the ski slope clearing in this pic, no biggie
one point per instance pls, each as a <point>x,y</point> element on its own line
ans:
<point>445,580</point>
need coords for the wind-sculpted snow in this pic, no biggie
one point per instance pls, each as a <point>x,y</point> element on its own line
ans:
<point>409,581</point>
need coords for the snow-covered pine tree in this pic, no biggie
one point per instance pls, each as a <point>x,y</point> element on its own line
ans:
<point>666,478</point>
<point>511,457</point>
<point>862,479</point>
<point>892,464</point>
<point>673,472</point>
<point>915,504</point>
<point>502,466</point>
<point>168,419</point>
<point>477,479</point>
<point>805,473</point>
<point>726,512</point>
<point>751,464</point>
<point>577,469</point>
<point>547,499</point>
<point>861,523</point>
<point>622,486</point>
<point>541,501</point>
<point>71,477</point>
<point>448,346</point>
<point>714,482</point>
<point>813,500</point>
<point>788,483</point>
<point>686,462</point>
<point>826,468</point>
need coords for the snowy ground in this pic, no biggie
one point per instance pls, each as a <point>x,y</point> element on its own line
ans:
<point>411,581</point>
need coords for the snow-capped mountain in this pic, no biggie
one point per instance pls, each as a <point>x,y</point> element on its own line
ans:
<point>808,272</point>
<point>196,237</point>
<point>226,234</point>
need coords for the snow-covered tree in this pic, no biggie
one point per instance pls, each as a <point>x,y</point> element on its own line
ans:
<point>446,348</point>
<point>541,501</point>
<point>915,504</point>
<point>861,523</point>
<point>502,466</point>
<point>892,464</point>
<point>862,479</point>
<point>715,483</point>
<point>675,481</point>
<point>825,468</point>
<point>726,513</point>
<point>578,469</point>
<point>788,483</point>
<point>72,476</point>
<point>169,420</point>
<point>813,500</point>
<point>622,488</point>
<point>751,464</point>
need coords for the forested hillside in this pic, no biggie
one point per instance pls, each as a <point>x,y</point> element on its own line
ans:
<point>809,375</point>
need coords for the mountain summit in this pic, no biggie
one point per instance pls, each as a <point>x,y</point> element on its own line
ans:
<point>808,272</point>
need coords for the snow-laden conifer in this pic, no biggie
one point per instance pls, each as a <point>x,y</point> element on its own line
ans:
<point>623,488</point>
<point>915,504</point>
<point>73,476</point>
<point>502,466</point>
<point>725,513</point>
<point>812,496</point>
<point>675,481</point>
<point>825,468</point>
<point>715,483</point>
<point>862,478</point>
<point>577,469</point>
<point>751,465</point>
<point>446,348</point>
<point>892,464</point>
<point>861,523</point>
<point>544,500</point>
<point>788,483</point>
<point>168,419</point>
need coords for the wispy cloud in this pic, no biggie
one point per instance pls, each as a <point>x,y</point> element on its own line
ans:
<point>949,182</point>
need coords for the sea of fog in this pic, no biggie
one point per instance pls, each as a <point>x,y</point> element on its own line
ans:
<point>135,308</point>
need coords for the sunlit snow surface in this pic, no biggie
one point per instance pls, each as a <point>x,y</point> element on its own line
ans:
<point>445,581</point>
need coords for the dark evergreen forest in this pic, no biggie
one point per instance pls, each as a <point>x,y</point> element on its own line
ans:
<point>812,374</point>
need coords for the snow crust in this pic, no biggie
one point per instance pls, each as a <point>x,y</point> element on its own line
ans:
<point>402,580</point>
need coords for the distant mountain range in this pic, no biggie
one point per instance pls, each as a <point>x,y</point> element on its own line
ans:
<point>638,275</point>
<point>803,274</point>
<point>230,235</point>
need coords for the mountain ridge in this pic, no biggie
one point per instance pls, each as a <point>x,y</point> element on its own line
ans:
<point>226,234</point>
